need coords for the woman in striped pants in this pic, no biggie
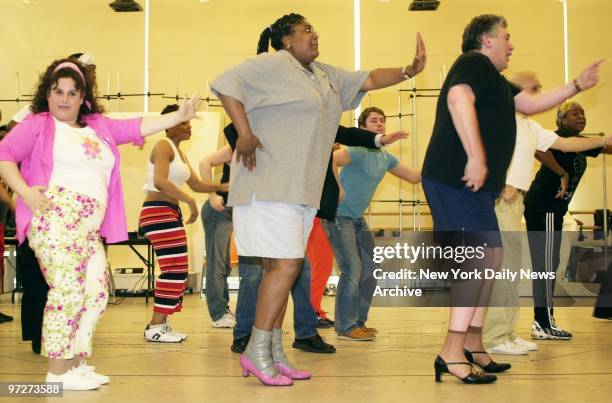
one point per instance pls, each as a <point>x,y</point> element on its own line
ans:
<point>161,222</point>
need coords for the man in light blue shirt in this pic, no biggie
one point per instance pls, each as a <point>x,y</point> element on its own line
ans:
<point>351,239</point>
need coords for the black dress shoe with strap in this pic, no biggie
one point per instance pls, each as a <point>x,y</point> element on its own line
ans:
<point>440,366</point>
<point>494,367</point>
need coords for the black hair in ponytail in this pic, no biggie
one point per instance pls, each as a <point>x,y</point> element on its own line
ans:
<point>264,40</point>
<point>275,32</point>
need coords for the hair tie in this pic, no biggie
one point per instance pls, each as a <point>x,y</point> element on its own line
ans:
<point>87,59</point>
<point>270,28</point>
<point>71,66</point>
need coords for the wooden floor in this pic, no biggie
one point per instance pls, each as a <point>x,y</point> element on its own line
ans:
<point>397,367</point>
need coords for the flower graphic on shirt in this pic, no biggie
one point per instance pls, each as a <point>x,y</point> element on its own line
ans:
<point>92,149</point>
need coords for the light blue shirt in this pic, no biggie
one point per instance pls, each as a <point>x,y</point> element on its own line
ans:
<point>361,177</point>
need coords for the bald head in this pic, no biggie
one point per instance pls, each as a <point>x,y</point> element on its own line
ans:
<point>527,81</point>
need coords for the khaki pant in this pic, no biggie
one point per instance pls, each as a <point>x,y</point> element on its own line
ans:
<point>502,316</point>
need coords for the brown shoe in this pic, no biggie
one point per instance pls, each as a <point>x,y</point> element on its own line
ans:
<point>372,330</point>
<point>357,334</point>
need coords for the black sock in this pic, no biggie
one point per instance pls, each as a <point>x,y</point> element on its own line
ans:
<point>540,314</point>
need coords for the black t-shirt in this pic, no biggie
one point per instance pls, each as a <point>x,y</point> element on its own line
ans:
<point>349,136</point>
<point>445,158</point>
<point>231,135</point>
<point>541,194</point>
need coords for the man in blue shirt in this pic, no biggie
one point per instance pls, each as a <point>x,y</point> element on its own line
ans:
<point>353,243</point>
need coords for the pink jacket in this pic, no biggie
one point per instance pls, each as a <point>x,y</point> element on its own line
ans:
<point>31,144</point>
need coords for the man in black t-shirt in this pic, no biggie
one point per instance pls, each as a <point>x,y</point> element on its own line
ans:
<point>465,166</point>
<point>544,217</point>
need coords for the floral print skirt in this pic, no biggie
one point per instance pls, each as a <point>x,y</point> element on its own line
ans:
<point>66,240</point>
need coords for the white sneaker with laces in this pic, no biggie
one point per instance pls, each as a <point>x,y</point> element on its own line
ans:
<point>183,336</point>
<point>73,380</point>
<point>330,291</point>
<point>509,348</point>
<point>160,334</point>
<point>548,333</point>
<point>89,371</point>
<point>528,345</point>
<point>554,326</point>
<point>226,320</point>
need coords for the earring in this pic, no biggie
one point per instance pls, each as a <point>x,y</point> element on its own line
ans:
<point>289,46</point>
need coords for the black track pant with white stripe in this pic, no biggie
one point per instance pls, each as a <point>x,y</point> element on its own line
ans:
<point>544,235</point>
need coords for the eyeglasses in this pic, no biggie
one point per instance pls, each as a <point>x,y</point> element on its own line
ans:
<point>309,30</point>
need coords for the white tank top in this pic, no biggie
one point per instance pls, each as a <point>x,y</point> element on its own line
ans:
<point>178,171</point>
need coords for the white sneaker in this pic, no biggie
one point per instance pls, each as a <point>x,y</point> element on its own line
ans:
<point>507,347</point>
<point>89,371</point>
<point>549,333</point>
<point>226,320</point>
<point>528,345</point>
<point>183,336</point>
<point>160,334</point>
<point>73,380</point>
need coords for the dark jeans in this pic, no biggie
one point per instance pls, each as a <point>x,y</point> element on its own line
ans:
<point>304,317</point>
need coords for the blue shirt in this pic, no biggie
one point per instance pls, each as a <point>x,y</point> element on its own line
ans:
<point>361,178</point>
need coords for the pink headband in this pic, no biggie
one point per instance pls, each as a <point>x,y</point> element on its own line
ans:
<point>72,66</point>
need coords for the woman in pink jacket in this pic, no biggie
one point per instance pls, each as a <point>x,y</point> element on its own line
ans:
<point>70,197</point>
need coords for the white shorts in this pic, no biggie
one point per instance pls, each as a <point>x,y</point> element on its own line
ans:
<point>272,229</point>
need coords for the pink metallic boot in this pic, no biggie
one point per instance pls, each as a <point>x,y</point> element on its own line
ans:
<point>281,362</point>
<point>257,360</point>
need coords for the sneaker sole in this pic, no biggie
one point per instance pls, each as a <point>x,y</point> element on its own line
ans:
<point>65,387</point>
<point>548,337</point>
<point>343,337</point>
<point>160,341</point>
<point>490,351</point>
<point>530,349</point>
<point>106,382</point>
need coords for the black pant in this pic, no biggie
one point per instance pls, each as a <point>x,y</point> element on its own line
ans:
<point>603,307</point>
<point>34,296</point>
<point>544,235</point>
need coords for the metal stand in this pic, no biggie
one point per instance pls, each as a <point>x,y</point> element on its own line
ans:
<point>605,208</point>
<point>414,93</point>
<point>605,199</point>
